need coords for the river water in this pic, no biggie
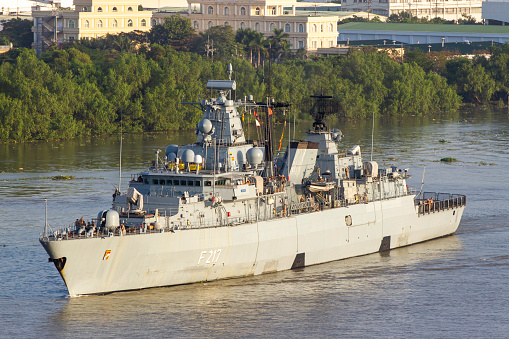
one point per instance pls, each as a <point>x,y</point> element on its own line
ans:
<point>455,286</point>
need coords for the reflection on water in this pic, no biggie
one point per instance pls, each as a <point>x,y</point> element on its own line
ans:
<point>320,294</point>
<point>450,287</point>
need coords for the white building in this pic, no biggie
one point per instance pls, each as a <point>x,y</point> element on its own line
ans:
<point>496,12</point>
<point>445,9</point>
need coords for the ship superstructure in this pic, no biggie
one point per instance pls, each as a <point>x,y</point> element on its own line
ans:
<point>222,208</point>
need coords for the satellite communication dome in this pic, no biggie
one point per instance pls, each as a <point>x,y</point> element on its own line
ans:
<point>254,156</point>
<point>171,149</point>
<point>188,156</point>
<point>198,159</point>
<point>172,157</point>
<point>205,126</point>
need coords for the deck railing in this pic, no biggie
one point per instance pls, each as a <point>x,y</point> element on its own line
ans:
<point>431,202</point>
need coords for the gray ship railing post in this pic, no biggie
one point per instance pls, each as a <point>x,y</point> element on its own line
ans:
<point>45,218</point>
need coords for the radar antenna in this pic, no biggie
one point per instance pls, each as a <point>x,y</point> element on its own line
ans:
<point>320,106</point>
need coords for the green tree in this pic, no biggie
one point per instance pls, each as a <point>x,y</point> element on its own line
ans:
<point>223,40</point>
<point>19,32</point>
<point>176,31</point>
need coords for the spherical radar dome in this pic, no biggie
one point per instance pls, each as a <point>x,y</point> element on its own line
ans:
<point>205,126</point>
<point>188,156</point>
<point>254,156</point>
<point>171,149</point>
<point>172,157</point>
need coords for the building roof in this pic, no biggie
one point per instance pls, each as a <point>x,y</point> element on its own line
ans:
<point>370,26</point>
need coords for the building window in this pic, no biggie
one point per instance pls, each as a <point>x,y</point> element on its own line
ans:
<point>242,25</point>
<point>210,24</point>
<point>84,9</point>
<point>143,22</point>
<point>257,11</point>
<point>226,23</point>
<point>86,24</point>
<point>273,10</point>
<point>196,25</point>
<point>71,38</point>
<point>114,9</point>
<point>313,28</point>
<point>71,23</point>
<point>301,28</point>
<point>154,22</point>
<point>210,10</point>
<point>331,43</point>
<point>287,28</point>
<point>272,26</point>
<point>129,23</point>
<point>99,9</point>
<point>257,26</point>
<point>114,23</point>
<point>321,28</point>
<point>227,10</point>
<point>242,10</point>
<point>129,9</point>
<point>331,28</point>
<point>99,23</point>
<point>301,44</point>
<point>313,44</point>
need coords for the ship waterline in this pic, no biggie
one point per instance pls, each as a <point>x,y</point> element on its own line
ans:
<point>116,263</point>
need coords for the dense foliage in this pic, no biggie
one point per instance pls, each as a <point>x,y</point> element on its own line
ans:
<point>18,31</point>
<point>91,86</point>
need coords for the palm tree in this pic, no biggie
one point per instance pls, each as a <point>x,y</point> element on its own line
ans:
<point>252,41</point>
<point>279,43</point>
<point>259,43</point>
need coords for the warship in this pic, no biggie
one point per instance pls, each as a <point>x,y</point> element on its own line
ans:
<point>225,207</point>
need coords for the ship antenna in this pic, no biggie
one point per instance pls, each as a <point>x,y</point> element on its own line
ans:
<point>422,182</point>
<point>45,218</point>
<point>372,135</point>
<point>120,161</point>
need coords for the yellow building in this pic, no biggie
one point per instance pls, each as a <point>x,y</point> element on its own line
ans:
<point>89,19</point>
<point>304,29</point>
<point>96,18</point>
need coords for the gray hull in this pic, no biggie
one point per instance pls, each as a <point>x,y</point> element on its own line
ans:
<point>205,254</point>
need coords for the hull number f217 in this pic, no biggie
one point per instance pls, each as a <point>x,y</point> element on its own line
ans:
<point>209,257</point>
